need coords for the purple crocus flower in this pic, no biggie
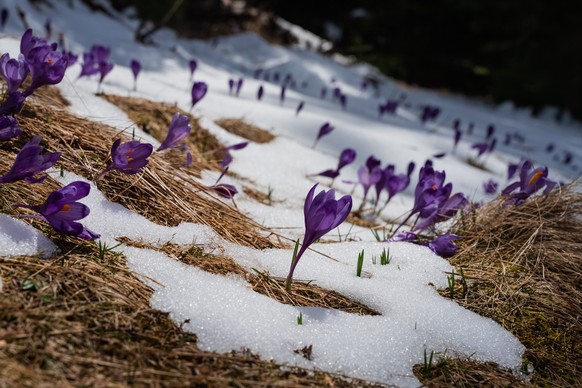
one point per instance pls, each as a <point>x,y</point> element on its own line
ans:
<point>457,124</point>
<point>199,90</point>
<point>299,108</point>
<point>481,148</point>
<point>282,95</point>
<point>178,131</point>
<point>529,183</point>
<point>3,18</point>
<point>135,66</point>
<point>230,86</point>
<point>457,138</point>
<point>346,157</point>
<point>442,211</point>
<point>550,147</point>
<point>490,131</point>
<point>223,189</point>
<point>239,85</point>
<point>12,103</point>
<point>62,211</point>
<point>492,145</point>
<point>325,129</point>
<point>323,93</point>
<point>512,169</point>
<point>322,214</point>
<point>193,65</point>
<point>260,93</point>
<point>429,193</point>
<point>507,140</point>
<point>129,157</point>
<point>29,43</point>
<point>490,187</point>
<point>257,74</point>
<point>47,66</point>
<point>94,61</point>
<point>29,162</point>
<point>395,183</point>
<point>71,58</point>
<point>227,156</point>
<point>9,128</point>
<point>367,178</point>
<point>444,246</point>
<point>104,69</point>
<point>404,236</point>
<point>236,147</point>
<point>14,71</point>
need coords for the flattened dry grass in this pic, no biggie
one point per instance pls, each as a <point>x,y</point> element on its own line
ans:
<point>524,270</point>
<point>304,294</point>
<point>243,129</point>
<point>79,320</point>
<point>164,193</point>
<point>154,118</point>
<point>451,372</point>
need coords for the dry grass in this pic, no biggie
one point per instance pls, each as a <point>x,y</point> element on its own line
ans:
<point>302,293</point>
<point>81,320</point>
<point>154,118</point>
<point>450,372</point>
<point>164,193</point>
<point>523,268</point>
<point>248,131</point>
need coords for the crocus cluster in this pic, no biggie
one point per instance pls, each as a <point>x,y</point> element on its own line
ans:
<point>388,108</point>
<point>433,201</point>
<point>429,113</point>
<point>530,182</point>
<point>322,214</point>
<point>346,157</point>
<point>392,183</point>
<point>96,61</point>
<point>41,60</point>
<point>368,175</point>
<point>62,211</point>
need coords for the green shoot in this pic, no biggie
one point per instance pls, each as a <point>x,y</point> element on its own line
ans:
<point>427,362</point>
<point>385,257</point>
<point>464,282</point>
<point>104,249</point>
<point>300,318</point>
<point>360,264</point>
<point>451,283</point>
<point>373,259</point>
<point>295,251</point>
<point>270,194</point>
<point>377,235</point>
<point>62,171</point>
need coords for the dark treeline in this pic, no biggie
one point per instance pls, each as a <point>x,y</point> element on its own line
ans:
<point>521,50</point>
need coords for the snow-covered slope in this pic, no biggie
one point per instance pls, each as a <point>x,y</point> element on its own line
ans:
<point>222,311</point>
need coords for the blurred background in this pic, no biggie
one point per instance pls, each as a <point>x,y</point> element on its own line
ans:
<point>526,51</point>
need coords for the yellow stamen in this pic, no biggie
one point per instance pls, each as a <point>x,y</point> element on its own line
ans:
<point>130,159</point>
<point>66,207</point>
<point>535,177</point>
